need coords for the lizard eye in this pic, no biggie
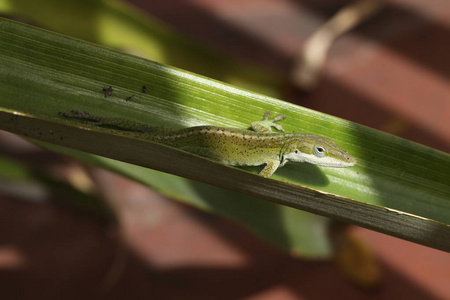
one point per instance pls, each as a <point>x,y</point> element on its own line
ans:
<point>296,151</point>
<point>319,151</point>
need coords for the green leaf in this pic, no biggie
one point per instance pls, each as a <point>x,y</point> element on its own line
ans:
<point>118,25</point>
<point>397,187</point>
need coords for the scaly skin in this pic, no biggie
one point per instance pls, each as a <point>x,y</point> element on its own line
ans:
<point>239,147</point>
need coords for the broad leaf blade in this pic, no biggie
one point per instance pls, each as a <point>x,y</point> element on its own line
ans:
<point>116,24</point>
<point>398,187</point>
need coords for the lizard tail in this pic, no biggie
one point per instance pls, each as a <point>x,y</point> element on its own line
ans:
<point>112,122</point>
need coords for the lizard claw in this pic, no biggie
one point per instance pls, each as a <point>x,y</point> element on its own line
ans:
<point>277,118</point>
<point>266,115</point>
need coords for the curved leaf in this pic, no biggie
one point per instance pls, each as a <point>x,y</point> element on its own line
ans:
<point>397,187</point>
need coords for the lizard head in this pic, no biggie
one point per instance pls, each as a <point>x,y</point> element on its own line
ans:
<point>318,151</point>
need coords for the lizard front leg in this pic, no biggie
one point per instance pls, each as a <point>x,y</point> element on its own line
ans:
<point>266,125</point>
<point>270,168</point>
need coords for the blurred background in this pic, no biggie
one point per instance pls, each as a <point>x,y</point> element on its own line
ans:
<point>391,72</point>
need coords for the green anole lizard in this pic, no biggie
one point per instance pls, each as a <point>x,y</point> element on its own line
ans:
<point>239,147</point>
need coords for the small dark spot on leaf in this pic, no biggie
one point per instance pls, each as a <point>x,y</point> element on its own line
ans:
<point>107,90</point>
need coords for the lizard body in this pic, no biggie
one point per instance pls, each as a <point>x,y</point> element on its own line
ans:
<point>239,147</point>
